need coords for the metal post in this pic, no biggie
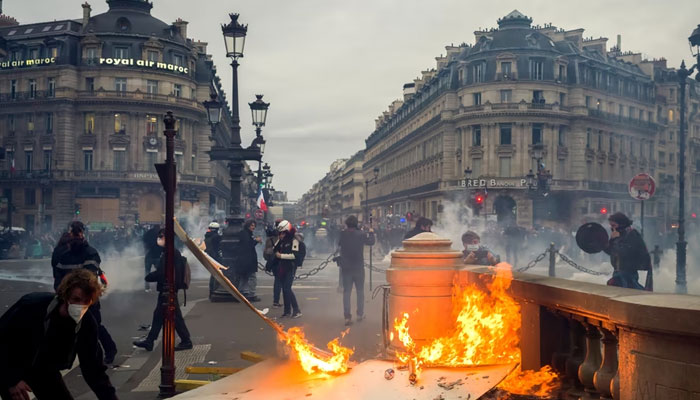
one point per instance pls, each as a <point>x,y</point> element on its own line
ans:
<point>683,73</point>
<point>370,257</point>
<point>9,210</point>
<point>168,177</point>
<point>642,219</point>
<point>552,260</point>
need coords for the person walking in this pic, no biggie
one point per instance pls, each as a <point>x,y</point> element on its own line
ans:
<point>287,252</point>
<point>352,265</point>
<point>269,256</point>
<point>247,263</point>
<point>628,254</point>
<point>42,333</point>
<point>78,254</point>
<point>212,244</point>
<point>158,276</point>
<point>152,252</point>
<point>422,225</point>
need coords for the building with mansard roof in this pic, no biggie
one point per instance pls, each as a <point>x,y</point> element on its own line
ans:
<point>81,109</point>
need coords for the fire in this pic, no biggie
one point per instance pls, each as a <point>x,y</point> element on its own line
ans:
<point>313,360</point>
<point>486,332</point>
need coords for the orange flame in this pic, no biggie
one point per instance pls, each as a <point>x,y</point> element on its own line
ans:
<point>314,361</point>
<point>485,332</point>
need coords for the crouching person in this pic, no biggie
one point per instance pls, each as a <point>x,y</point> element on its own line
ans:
<point>41,334</point>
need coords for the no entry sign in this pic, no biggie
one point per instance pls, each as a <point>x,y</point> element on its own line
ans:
<point>642,187</point>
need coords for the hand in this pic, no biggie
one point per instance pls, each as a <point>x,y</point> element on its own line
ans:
<point>614,234</point>
<point>278,254</point>
<point>491,259</point>
<point>258,239</point>
<point>470,259</point>
<point>19,391</point>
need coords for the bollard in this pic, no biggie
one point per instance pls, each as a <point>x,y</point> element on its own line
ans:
<point>552,260</point>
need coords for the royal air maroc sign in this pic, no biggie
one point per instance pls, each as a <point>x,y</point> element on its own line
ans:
<point>130,62</point>
<point>27,63</point>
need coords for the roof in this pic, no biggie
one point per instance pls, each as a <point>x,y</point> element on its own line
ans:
<point>132,17</point>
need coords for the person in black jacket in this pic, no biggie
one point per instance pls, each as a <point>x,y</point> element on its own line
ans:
<point>158,276</point>
<point>352,265</point>
<point>247,263</point>
<point>78,254</point>
<point>628,254</point>
<point>41,335</point>
<point>212,246</point>
<point>422,225</point>
<point>287,256</point>
<point>152,252</point>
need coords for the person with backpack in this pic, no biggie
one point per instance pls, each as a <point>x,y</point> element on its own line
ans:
<point>247,263</point>
<point>269,256</point>
<point>182,281</point>
<point>289,254</point>
<point>352,265</point>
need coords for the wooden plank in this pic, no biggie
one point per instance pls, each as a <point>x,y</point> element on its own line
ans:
<point>252,356</point>
<point>212,370</point>
<point>183,385</point>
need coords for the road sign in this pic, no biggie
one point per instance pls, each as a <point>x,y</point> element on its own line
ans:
<point>642,187</point>
<point>259,214</point>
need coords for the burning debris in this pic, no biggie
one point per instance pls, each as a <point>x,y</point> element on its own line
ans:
<point>311,361</point>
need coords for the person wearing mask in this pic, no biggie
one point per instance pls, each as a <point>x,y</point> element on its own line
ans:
<point>269,256</point>
<point>212,244</point>
<point>78,254</point>
<point>42,333</point>
<point>158,276</point>
<point>475,253</point>
<point>422,225</point>
<point>152,252</point>
<point>352,265</point>
<point>247,264</point>
<point>628,254</point>
<point>287,252</point>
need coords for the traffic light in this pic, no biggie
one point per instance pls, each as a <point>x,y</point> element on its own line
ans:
<point>693,215</point>
<point>136,219</point>
<point>477,202</point>
<point>409,216</point>
<point>479,199</point>
<point>603,210</point>
<point>77,208</point>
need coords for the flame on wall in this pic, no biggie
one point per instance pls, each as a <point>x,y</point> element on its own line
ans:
<point>486,330</point>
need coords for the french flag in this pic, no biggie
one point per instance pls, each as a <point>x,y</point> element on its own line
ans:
<point>261,201</point>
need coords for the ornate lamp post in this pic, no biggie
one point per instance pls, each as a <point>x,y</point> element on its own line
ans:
<point>234,38</point>
<point>368,217</point>
<point>683,74</point>
<point>538,184</point>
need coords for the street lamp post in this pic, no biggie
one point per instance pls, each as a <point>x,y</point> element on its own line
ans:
<point>368,217</point>
<point>681,246</point>
<point>538,184</point>
<point>234,38</point>
<point>258,110</point>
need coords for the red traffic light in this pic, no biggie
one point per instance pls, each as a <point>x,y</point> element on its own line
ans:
<point>303,222</point>
<point>603,210</point>
<point>409,216</point>
<point>247,215</point>
<point>693,215</point>
<point>479,199</point>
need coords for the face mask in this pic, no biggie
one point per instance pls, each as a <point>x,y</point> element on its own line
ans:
<point>472,247</point>
<point>161,242</point>
<point>76,311</point>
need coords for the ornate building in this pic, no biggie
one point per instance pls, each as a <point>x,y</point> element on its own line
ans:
<point>599,115</point>
<point>81,109</point>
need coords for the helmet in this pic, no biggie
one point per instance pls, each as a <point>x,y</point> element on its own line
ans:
<point>284,226</point>
<point>214,225</point>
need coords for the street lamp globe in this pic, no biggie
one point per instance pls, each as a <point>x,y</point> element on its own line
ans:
<point>468,172</point>
<point>694,40</point>
<point>258,108</point>
<point>530,179</point>
<point>376,173</point>
<point>234,37</point>
<point>214,110</point>
<point>538,151</point>
<point>266,168</point>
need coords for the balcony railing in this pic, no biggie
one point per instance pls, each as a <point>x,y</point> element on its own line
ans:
<point>621,119</point>
<point>136,95</point>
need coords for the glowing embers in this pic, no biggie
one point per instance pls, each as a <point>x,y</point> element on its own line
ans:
<point>313,360</point>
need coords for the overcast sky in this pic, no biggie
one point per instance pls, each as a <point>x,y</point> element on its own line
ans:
<point>329,68</point>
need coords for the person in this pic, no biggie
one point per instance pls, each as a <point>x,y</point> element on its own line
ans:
<point>422,225</point>
<point>42,333</point>
<point>158,276</point>
<point>287,252</point>
<point>628,254</point>
<point>152,252</point>
<point>78,254</point>
<point>657,252</point>
<point>475,253</point>
<point>514,236</point>
<point>212,243</point>
<point>352,265</point>
<point>269,256</point>
<point>247,264</point>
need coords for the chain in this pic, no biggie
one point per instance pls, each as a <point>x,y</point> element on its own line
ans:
<point>318,269</point>
<point>533,262</point>
<point>571,262</point>
<point>375,269</point>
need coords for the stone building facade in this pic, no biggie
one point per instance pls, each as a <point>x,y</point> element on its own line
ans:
<point>602,116</point>
<point>81,109</point>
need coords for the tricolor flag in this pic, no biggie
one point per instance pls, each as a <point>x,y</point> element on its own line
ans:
<point>261,201</point>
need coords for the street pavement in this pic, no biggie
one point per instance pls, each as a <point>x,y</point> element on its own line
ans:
<point>220,331</point>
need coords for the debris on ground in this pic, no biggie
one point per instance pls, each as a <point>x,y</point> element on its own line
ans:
<point>450,385</point>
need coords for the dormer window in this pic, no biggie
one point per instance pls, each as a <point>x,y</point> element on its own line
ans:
<point>536,70</point>
<point>123,25</point>
<point>178,60</point>
<point>479,70</point>
<point>121,52</point>
<point>506,69</point>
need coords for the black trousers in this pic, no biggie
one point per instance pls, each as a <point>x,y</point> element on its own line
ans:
<point>158,319</point>
<point>108,345</point>
<point>46,385</point>
<point>353,276</point>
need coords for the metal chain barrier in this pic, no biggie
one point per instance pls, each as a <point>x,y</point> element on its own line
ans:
<point>533,262</point>
<point>375,268</point>
<point>572,263</point>
<point>305,275</point>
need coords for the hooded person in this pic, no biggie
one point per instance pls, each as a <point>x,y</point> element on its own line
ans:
<point>41,335</point>
<point>212,243</point>
<point>628,254</point>
<point>422,225</point>
<point>246,265</point>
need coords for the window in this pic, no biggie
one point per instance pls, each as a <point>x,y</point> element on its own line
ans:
<point>506,69</point>
<point>505,130</point>
<point>121,121</point>
<point>120,160</point>
<point>562,99</point>
<point>537,96</point>
<point>153,56</point>
<point>151,125</point>
<point>90,123</point>
<point>53,52</point>
<point>599,105</point>
<point>28,160</point>
<point>460,75</point>
<point>10,155</point>
<point>504,167</point>
<point>48,198</point>
<point>90,84</point>
<point>621,110</point>
<point>178,60</point>
<point>32,88</point>
<point>11,123</point>
<point>562,73</point>
<point>476,135</point>
<point>48,155</point>
<point>121,52</point>
<point>670,159</point>
<point>193,163</point>
<point>670,135</point>
<point>562,135</point>
<point>13,89</point>
<point>33,52</point>
<point>588,101</point>
<point>91,55</point>
<point>177,90</point>
<point>87,160</point>
<point>178,160</point>
<point>536,133</point>
<point>29,197</point>
<point>662,158</point>
<point>477,99</point>
<point>631,112</point>
<point>151,160</point>
<point>51,87</point>
<point>588,138</point>
<point>536,70</point>
<point>476,167</point>
<point>670,115</point>
<point>641,115</point>
<point>506,96</point>
<point>611,147</point>
<point>30,123</point>
<point>49,122</point>
<point>600,140</point>
<point>152,87</point>
<point>120,84</point>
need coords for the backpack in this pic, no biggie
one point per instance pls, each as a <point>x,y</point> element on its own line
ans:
<point>183,276</point>
<point>300,248</point>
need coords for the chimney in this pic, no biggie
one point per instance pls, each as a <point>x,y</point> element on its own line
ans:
<point>182,27</point>
<point>409,90</point>
<point>86,14</point>
<point>619,43</point>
